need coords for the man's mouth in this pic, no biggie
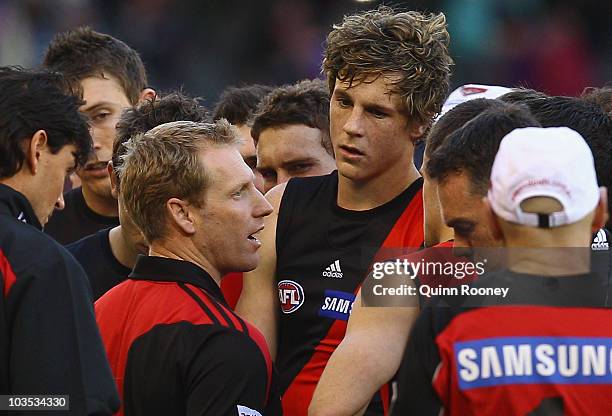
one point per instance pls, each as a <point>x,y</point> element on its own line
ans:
<point>96,165</point>
<point>253,237</point>
<point>351,150</point>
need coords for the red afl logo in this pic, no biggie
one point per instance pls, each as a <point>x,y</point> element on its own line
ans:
<point>472,90</point>
<point>291,295</point>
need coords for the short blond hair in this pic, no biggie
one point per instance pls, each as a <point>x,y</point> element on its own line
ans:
<point>409,44</point>
<point>164,163</point>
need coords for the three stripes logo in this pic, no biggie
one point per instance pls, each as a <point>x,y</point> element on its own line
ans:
<point>600,242</point>
<point>333,270</point>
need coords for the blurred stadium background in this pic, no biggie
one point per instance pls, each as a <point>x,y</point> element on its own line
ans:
<point>558,46</point>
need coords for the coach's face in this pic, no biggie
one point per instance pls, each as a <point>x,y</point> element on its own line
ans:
<point>369,129</point>
<point>232,212</point>
<point>465,212</point>
<point>104,99</point>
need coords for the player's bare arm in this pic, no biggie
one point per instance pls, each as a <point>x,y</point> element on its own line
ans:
<point>258,301</point>
<point>368,357</point>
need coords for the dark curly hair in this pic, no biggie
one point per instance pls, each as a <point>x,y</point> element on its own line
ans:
<point>306,102</point>
<point>237,104</point>
<point>173,106</point>
<point>32,100</point>
<point>410,44</point>
<point>83,53</point>
<point>472,148</point>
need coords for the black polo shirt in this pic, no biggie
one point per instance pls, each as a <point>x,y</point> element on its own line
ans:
<point>176,348</point>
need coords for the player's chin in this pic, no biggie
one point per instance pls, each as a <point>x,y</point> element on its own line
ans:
<point>246,262</point>
<point>351,171</point>
<point>100,186</point>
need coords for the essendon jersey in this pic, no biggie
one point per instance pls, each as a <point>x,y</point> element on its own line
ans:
<point>176,348</point>
<point>544,349</point>
<point>323,255</point>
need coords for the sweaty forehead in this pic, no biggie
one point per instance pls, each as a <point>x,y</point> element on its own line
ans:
<point>285,144</point>
<point>377,89</point>
<point>103,90</point>
<point>225,165</point>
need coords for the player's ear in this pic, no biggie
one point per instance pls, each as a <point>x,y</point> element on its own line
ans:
<point>601,211</point>
<point>114,180</point>
<point>417,129</point>
<point>181,216</point>
<point>37,144</point>
<point>147,94</point>
<point>492,221</point>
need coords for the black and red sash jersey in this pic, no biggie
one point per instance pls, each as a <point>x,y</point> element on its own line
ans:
<point>544,349</point>
<point>323,256</point>
<point>176,348</point>
<point>49,341</point>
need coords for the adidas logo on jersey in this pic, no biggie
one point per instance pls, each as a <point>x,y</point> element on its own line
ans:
<point>333,270</point>
<point>600,242</point>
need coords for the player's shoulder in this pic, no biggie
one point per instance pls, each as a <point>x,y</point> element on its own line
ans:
<point>31,250</point>
<point>88,244</point>
<point>311,188</point>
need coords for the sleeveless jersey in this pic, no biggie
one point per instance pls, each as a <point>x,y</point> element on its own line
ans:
<point>323,256</point>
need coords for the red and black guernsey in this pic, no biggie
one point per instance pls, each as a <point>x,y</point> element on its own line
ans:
<point>545,349</point>
<point>323,256</point>
<point>49,341</point>
<point>176,348</point>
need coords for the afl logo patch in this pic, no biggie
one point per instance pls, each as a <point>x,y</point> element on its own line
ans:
<point>291,295</point>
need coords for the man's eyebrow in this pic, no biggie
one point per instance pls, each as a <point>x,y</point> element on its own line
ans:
<point>298,161</point>
<point>342,93</point>
<point>96,106</point>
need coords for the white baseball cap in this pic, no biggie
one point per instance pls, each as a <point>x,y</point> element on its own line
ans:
<point>471,92</point>
<point>554,162</point>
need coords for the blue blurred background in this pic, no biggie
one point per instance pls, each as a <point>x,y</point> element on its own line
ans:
<point>558,46</point>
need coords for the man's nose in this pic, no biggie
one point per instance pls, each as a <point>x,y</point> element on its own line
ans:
<point>353,125</point>
<point>60,204</point>
<point>263,206</point>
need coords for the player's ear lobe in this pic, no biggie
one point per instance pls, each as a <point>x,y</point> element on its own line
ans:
<point>417,130</point>
<point>601,211</point>
<point>180,216</point>
<point>492,220</point>
<point>147,94</point>
<point>37,143</point>
<point>113,179</point>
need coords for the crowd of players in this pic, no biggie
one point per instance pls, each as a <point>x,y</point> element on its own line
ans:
<point>164,282</point>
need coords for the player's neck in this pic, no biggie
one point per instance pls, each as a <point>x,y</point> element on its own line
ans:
<point>98,204</point>
<point>125,253</point>
<point>547,261</point>
<point>377,191</point>
<point>184,249</point>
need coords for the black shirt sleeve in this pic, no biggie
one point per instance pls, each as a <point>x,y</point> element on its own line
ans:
<point>55,344</point>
